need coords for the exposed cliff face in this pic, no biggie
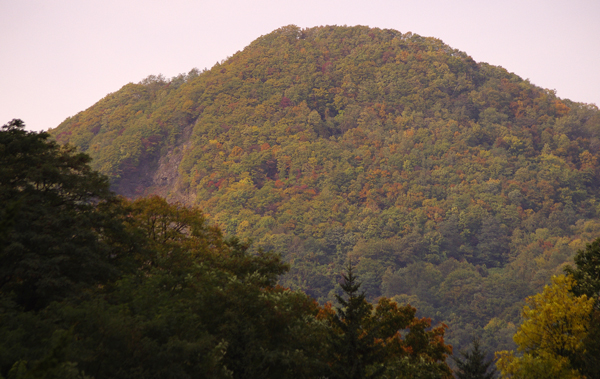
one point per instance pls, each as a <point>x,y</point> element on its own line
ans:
<point>158,175</point>
<point>425,167</point>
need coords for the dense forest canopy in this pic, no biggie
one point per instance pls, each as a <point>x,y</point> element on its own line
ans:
<point>456,186</point>
<point>95,286</point>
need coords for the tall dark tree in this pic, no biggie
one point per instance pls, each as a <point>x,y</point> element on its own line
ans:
<point>473,364</point>
<point>385,341</point>
<point>587,272</point>
<point>354,345</point>
<point>49,223</point>
<point>587,278</point>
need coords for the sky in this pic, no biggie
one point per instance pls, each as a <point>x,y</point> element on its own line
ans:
<point>59,57</point>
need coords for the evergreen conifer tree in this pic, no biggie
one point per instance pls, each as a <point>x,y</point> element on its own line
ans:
<point>353,345</point>
<point>474,365</point>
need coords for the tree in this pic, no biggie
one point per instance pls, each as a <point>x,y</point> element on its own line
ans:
<point>56,241</point>
<point>587,277</point>
<point>386,137</point>
<point>552,335</point>
<point>197,305</point>
<point>369,343</point>
<point>188,304</point>
<point>587,272</point>
<point>538,366</point>
<point>474,365</point>
<point>354,345</point>
<point>133,289</point>
<point>50,226</point>
<point>53,365</point>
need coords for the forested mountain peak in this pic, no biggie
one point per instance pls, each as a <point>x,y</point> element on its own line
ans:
<point>455,185</point>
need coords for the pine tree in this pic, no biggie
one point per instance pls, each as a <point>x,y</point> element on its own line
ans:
<point>353,344</point>
<point>474,365</point>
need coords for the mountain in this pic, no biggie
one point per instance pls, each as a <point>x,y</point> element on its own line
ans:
<point>453,185</point>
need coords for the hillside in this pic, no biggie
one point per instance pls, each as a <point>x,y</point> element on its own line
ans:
<point>454,185</point>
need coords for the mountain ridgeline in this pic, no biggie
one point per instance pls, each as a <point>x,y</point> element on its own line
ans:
<point>453,185</point>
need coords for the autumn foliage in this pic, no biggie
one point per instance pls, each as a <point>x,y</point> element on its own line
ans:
<point>456,186</point>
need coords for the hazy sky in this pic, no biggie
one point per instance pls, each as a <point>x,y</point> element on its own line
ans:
<point>59,57</point>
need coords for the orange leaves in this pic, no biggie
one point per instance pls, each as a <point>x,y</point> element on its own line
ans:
<point>561,108</point>
<point>325,312</point>
<point>588,161</point>
<point>435,213</point>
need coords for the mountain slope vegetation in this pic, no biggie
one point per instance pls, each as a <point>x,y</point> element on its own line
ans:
<point>455,186</point>
<point>95,286</point>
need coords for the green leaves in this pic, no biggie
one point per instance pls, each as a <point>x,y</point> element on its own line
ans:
<point>587,272</point>
<point>587,283</point>
<point>369,343</point>
<point>50,219</point>
<point>353,344</point>
<point>407,148</point>
<point>147,288</point>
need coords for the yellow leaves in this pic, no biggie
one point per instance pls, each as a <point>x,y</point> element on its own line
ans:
<point>236,151</point>
<point>243,227</point>
<point>515,144</point>
<point>497,325</point>
<point>187,106</point>
<point>556,323</point>
<point>247,181</point>
<point>215,143</point>
<point>262,111</point>
<point>484,154</point>
<point>552,160</point>
<point>531,366</point>
<point>557,320</point>
<point>588,161</point>
<point>320,92</point>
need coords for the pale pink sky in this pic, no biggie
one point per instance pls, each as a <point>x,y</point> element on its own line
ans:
<point>58,58</point>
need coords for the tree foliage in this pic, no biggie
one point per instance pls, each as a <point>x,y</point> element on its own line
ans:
<point>552,335</point>
<point>354,345</point>
<point>474,365</point>
<point>587,282</point>
<point>166,296</point>
<point>587,272</point>
<point>391,148</point>
<point>51,228</point>
<point>367,341</point>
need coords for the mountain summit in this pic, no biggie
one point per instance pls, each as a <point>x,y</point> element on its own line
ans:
<point>454,185</point>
